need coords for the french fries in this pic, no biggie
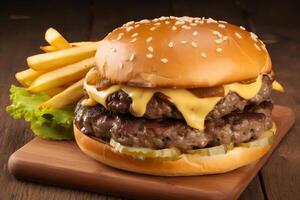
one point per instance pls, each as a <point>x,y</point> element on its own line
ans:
<point>50,48</point>
<point>70,95</point>
<point>61,76</point>
<point>55,39</point>
<point>27,76</point>
<point>53,60</point>
<point>60,71</point>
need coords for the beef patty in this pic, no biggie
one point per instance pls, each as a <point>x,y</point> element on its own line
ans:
<point>130,131</point>
<point>160,107</point>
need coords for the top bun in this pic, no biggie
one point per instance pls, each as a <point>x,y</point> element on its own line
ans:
<point>181,52</point>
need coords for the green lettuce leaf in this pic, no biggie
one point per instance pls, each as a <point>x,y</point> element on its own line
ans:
<point>50,123</point>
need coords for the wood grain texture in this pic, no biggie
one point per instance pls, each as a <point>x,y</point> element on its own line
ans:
<point>63,164</point>
<point>253,190</point>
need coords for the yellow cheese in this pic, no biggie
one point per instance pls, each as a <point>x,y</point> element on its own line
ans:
<point>277,86</point>
<point>246,91</point>
<point>89,102</point>
<point>193,108</point>
<point>140,98</point>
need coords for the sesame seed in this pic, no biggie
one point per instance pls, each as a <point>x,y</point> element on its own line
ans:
<point>253,36</point>
<point>257,47</point>
<point>121,65</point>
<point>129,28</point>
<point>113,50</point>
<point>219,41</point>
<point>238,35</point>
<point>149,55</point>
<point>224,22</point>
<point>167,22</point>
<point>174,28</point>
<point>241,27</point>
<point>131,57</point>
<point>183,42</point>
<point>137,25</point>
<point>152,28</point>
<point>129,23</point>
<point>217,33</point>
<point>203,55</point>
<point>186,27</point>
<point>201,22</point>
<point>134,35</point>
<point>150,49</point>
<point>221,26</point>
<point>210,20</point>
<point>195,33</point>
<point>149,39</point>
<point>157,24</point>
<point>225,38</point>
<point>193,24</point>
<point>263,47</point>
<point>219,50</point>
<point>145,21</point>
<point>164,60</point>
<point>171,44</point>
<point>194,44</point>
<point>133,40</point>
<point>120,36</point>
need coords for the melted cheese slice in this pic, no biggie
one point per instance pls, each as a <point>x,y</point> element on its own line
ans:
<point>246,91</point>
<point>193,108</point>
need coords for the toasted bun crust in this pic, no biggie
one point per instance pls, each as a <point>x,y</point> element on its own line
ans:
<point>187,165</point>
<point>181,52</point>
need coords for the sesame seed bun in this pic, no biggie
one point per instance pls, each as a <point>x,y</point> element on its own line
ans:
<point>187,165</point>
<point>181,52</point>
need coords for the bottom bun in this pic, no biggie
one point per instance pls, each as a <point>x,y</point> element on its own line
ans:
<point>187,165</point>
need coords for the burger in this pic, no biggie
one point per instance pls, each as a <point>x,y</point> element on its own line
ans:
<point>178,96</point>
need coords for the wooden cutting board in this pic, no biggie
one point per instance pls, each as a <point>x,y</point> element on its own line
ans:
<point>63,164</point>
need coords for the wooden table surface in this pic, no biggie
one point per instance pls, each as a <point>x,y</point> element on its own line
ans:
<point>22,27</point>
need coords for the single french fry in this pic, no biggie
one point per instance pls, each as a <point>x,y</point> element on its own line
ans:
<point>27,76</point>
<point>53,60</point>
<point>48,48</point>
<point>55,39</point>
<point>70,95</point>
<point>54,91</point>
<point>62,76</point>
<point>78,44</point>
<point>73,44</point>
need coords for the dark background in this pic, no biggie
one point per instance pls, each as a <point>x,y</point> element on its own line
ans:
<point>22,28</point>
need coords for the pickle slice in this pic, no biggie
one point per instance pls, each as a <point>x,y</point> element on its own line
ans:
<point>266,139</point>
<point>146,153</point>
<point>221,149</point>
